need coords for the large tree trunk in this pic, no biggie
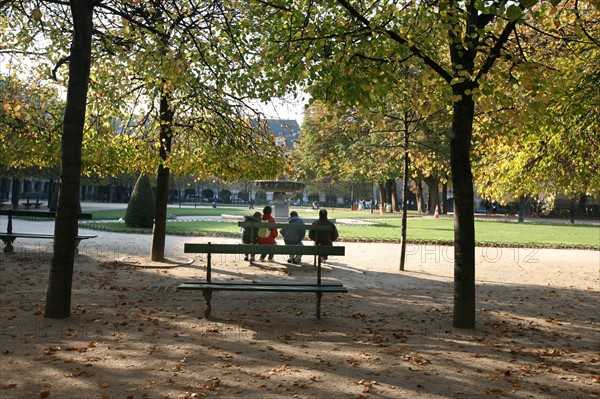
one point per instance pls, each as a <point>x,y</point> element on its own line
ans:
<point>464,226</point>
<point>58,296</point>
<point>159,231</point>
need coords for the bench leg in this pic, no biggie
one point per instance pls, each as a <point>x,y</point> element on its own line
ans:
<point>207,297</point>
<point>8,247</point>
<point>319,296</point>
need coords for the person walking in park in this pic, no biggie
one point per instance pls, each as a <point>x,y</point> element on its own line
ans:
<point>250,234</point>
<point>267,236</point>
<point>323,237</point>
<point>294,236</point>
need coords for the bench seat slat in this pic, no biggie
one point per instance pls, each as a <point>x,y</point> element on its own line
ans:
<point>37,235</point>
<point>40,214</point>
<point>299,283</point>
<point>264,287</point>
<point>253,249</point>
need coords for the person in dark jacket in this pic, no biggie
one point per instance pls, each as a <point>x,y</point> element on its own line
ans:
<point>294,236</point>
<point>323,237</point>
<point>250,234</point>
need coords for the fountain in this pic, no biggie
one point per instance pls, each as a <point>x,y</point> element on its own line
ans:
<point>280,190</point>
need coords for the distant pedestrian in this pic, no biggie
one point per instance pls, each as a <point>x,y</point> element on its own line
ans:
<point>294,236</point>
<point>269,238</point>
<point>250,234</point>
<point>323,237</point>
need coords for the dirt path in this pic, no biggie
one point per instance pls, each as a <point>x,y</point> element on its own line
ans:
<point>131,335</point>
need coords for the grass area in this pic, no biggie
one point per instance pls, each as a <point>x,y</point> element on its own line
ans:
<point>493,233</point>
<point>206,210</point>
<point>387,229</point>
<point>115,214</point>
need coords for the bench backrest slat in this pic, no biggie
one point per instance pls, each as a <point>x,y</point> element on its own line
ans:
<point>323,250</point>
<point>42,214</point>
<point>291,226</point>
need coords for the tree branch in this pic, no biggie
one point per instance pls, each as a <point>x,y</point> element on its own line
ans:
<point>398,39</point>
<point>62,61</point>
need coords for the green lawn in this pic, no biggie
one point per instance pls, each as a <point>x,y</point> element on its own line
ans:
<point>387,229</point>
<point>174,211</point>
<point>486,233</point>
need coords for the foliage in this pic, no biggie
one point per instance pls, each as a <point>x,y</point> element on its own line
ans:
<point>30,124</point>
<point>548,144</point>
<point>176,55</point>
<point>140,210</point>
<point>143,50</point>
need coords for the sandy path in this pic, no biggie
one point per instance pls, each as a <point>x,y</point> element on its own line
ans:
<point>131,335</point>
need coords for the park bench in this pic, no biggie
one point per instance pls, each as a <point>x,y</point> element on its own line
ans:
<point>37,204</point>
<point>10,236</point>
<point>319,251</point>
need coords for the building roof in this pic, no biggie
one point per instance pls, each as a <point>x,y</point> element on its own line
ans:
<point>288,128</point>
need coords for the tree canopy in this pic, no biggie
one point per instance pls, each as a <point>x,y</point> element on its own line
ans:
<point>464,48</point>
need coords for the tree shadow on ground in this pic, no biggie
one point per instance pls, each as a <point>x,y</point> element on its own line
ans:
<point>131,334</point>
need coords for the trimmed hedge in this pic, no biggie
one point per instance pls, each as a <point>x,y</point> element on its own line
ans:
<point>140,210</point>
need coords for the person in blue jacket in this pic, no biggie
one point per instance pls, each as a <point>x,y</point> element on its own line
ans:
<point>294,236</point>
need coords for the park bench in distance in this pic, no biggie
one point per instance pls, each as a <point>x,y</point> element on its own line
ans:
<point>318,287</point>
<point>10,236</point>
<point>37,204</point>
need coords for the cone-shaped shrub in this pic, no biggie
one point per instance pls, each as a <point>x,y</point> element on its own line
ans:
<point>140,210</point>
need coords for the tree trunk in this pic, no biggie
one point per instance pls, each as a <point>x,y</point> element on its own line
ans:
<point>404,201</point>
<point>382,197</point>
<point>159,231</point>
<point>572,213</point>
<point>522,204</point>
<point>390,187</point>
<point>434,193</point>
<point>58,296</point>
<point>443,209</point>
<point>16,188</point>
<point>420,201</point>
<point>464,225</point>
<point>395,203</point>
<point>581,205</point>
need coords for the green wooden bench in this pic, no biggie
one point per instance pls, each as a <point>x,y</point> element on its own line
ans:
<point>318,287</point>
<point>9,237</point>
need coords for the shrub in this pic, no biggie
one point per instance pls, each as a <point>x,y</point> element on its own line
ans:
<point>140,210</point>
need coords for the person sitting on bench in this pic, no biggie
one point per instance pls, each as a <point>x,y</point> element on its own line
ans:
<point>250,234</point>
<point>269,238</point>
<point>294,237</point>
<point>323,237</point>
